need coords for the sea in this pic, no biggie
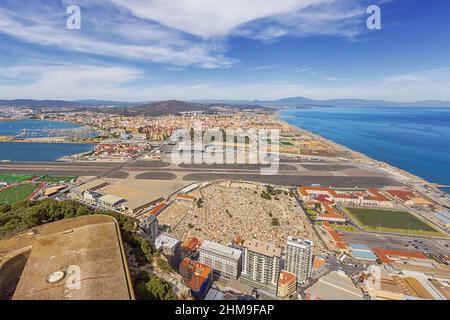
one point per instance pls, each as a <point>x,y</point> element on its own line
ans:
<point>416,139</point>
<point>11,151</point>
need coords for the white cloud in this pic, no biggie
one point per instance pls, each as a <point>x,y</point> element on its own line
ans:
<point>119,83</point>
<point>62,81</point>
<point>207,18</point>
<point>178,32</point>
<point>126,41</point>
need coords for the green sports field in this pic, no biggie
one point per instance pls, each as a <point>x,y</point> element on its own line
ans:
<point>17,193</point>
<point>390,221</point>
<point>52,179</point>
<point>14,178</point>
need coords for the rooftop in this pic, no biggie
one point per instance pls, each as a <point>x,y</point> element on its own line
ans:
<point>286,277</point>
<point>201,273</point>
<point>92,185</point>
<point>301,243</point>
<point>335,286</point>
<point>111,199</point>
<point>221,250</point>
<point>90,243</point>
<point>385,255</point>
<point>165,241</point>
<point>264,248</point>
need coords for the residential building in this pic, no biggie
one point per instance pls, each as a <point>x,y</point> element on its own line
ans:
<point>197,276</point>
<point>150,226</point>
<point>170,247</point>
<point>262,263</point>
<point>224,260</point>
<point>287,284</point>
<point>299,258</point>
<point>189,248</point>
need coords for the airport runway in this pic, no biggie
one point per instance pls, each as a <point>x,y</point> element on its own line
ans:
<point>288,175</point>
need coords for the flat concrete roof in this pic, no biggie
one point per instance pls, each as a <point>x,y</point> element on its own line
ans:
<point>264,248</point>
<point>335,286</point>
<point>111,199</point>
<point>299,243</point>
<point>221,250</point>
<point>166,241</point>
<point>90,243</point>
<point>90,186</point>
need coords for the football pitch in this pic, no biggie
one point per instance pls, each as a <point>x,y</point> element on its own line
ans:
<point>14,178</point>
<point>390,221</point>
<point>17,193</point>
<point>53,179</point>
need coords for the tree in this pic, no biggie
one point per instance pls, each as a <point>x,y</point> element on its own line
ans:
<point>163,265</point>
<point>200,203</point>
<point>159,289</point>
<point>275,222</point>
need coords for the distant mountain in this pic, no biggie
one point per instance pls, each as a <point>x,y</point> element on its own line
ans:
<point>39,103</point>
<point>93,102</point>
<point>175,106</point>
<point>302,102</point>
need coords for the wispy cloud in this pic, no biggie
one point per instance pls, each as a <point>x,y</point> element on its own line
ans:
<point>178,32</point>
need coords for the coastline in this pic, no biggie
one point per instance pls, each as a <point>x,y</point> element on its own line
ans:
<point>356,155</point>
<point>50,140</point>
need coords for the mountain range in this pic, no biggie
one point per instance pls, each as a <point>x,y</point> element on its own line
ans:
<point>204,105</point>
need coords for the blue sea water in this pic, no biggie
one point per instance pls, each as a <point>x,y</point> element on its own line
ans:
<point>413,139</point>
<point>37,151</point>
<point>11,128</point>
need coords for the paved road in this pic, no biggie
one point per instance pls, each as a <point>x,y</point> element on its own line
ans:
<point>395,242</point>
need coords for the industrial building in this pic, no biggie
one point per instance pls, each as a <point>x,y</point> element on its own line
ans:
<point>110,201</point>
<point>334,286</point>
<point>299,258</point>
<point>79,191</point>
<point>362,252</point>
<point>224,260</point>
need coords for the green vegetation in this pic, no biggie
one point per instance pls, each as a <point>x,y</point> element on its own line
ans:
<point>52,179</point>
<point>390,221</point>
<point>163,264</point>
<point>14,178</point>
<point>199,203</point>
<point>275,222</point>
<point>271,192</point>
<point>286,143</point>
<point>345,228</point>
<point>17,193</point>
<point>152,288</point>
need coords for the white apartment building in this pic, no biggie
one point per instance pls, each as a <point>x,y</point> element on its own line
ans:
<point>299,258</point>
<point>262,262</point>
<point>224,260</point>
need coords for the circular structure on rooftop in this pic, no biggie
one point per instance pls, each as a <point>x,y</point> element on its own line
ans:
<point>55,276</point>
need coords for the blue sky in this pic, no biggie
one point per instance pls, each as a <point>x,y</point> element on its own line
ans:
<point>224,49</point>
